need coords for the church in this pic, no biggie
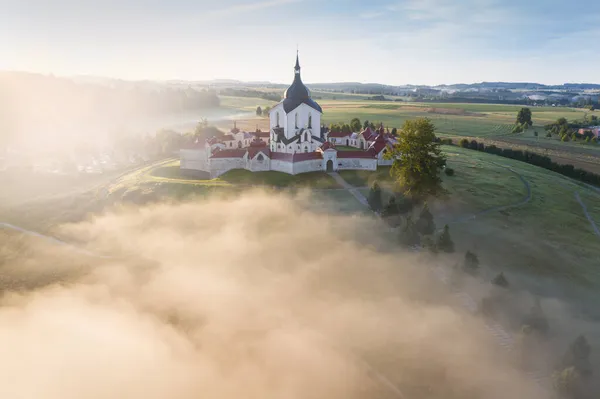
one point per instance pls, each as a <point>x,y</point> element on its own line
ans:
<point>296,142</point>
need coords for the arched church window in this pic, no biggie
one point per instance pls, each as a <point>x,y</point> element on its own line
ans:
<point>296,120</point>
<point>310,121</point>
<point>239,144</point>
<point>305,136</point>
<point>277,118</point>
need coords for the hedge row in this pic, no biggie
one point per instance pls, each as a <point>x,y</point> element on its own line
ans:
<point>535,159</point>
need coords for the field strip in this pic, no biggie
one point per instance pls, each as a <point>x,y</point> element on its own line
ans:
<point>587,215</point>
<point>52,240</point>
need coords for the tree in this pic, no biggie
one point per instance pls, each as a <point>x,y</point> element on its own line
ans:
<point>425,224</point>
<point>464,143</point>
<point>471,262</point>
<point>409,235</point>
<point>258,111</point>
<point>374,200</point>
<point>524,117</point>
<point>500,281</point>
<point>444,242</point>
<point>418,161</point>
<point>394,132</point>
<point>266,111</point>
<point>578,356</point>
<point>561,121</point>
<point>355,125</point>
<point>536,318</point>
<point>567,382</point>
<point>449,171</point>
<point>366,124</point>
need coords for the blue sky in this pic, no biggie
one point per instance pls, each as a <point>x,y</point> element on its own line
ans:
<point>394,42</point>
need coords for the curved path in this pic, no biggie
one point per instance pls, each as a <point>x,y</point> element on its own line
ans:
<point>524,201</point>
<point>587,215</point>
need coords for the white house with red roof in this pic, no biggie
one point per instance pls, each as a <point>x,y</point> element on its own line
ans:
<point>296,142</point>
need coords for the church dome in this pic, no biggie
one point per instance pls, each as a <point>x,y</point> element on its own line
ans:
<point>298,93</point>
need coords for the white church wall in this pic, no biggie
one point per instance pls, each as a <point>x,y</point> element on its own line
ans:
<point>312,165</point>
<point>255,165</point>
<point>282,166</point>
<point>357,163</point>
<point>193,159</point>
<point>219,166</point>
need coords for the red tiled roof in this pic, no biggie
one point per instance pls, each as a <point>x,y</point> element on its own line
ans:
<point>262,134</point>
<point>355,154</point>
<point>328,145</point>
<point>339,134</point>
<point>368,134</point>
<point>297,157</point>
<point>229,154</point>
<point>379,144</point>
<point>252,151</point>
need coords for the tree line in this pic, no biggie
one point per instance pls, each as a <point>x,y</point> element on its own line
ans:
<point>532,158</point>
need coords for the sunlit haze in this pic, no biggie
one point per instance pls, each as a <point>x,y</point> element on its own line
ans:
<point>393,42</point>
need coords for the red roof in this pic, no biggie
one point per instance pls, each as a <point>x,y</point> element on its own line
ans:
<point>252,151</point>
<point>355,154</point>
<point>339,134</point>
<point>262,134</point>
<point>297,157</point>
<point>368,134</point>
<point>379,144</point>
<point>229,154</point>
<point>328,145</point>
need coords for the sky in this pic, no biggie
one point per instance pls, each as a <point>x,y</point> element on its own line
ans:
<point>383,41</point>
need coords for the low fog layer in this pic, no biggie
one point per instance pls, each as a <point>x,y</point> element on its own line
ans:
<point>255,297</point>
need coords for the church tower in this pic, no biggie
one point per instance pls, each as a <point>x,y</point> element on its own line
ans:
<point>296,121</point>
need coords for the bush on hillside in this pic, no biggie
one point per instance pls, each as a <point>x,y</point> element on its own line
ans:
<point>374,200</point>
<point>425,224</point>
<point>464,143</point>
<point>500,281</point>
<point>444,241</point>
<point>471,262</point>
<point>409,235</point>
<point>449,171</point>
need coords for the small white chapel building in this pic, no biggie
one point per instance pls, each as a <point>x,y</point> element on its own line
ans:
<point>296,142</point>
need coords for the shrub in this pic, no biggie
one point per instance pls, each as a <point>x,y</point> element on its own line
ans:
<point>471,261</point>
<point>564,138</point>
<point>409,235</point>
<point>374,200</point>
<point>464,143</point>
<point>500,281</point>
<point>425,224</point>
<point>567,382</point>
<point>473,145</point>
<point>517,129</point>
<point>444,242</point>
<point>548,134</point>
<point>449,171</point>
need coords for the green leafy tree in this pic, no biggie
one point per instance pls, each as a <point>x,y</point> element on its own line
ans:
<point>425,224</point>
<point>374,200</point>
<point>444,242</point>
<point>500,281</point>
<point>561,121</point>
<point>355,125</point>
<point>471,261</point>
<point>266,111</point>
<point>365,124</point>
<point>464,143</point>
<point>418,161</point>
<point>258,111</point>
<point>524,117</point>
<point>394,132</point>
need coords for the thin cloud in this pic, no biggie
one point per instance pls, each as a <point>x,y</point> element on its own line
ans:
<point>238,8</point>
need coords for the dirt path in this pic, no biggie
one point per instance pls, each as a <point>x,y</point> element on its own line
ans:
<point>587,215</point>
<point>350,188</point>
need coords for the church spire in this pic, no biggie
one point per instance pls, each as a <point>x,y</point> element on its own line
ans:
<point>297,67</point>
